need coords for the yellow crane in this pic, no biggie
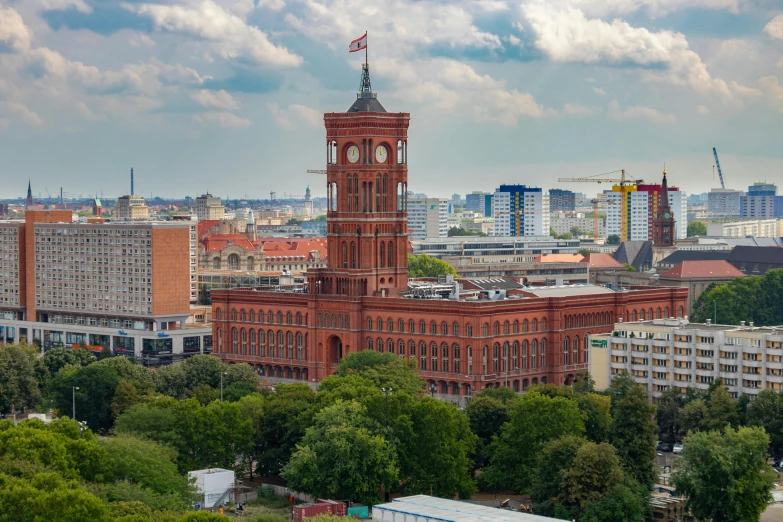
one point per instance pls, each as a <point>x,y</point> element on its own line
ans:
<point>625,184</point>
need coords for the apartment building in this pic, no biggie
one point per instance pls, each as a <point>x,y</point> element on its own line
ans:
<point>772,227</point>
<point>132,207</point>
<point>428,218</point>
<point>209,207</point>
<point>138,276</point>
<point>673,353</point>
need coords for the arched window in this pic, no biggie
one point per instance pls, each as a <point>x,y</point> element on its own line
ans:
<point>524,355</point>
<point>433,357</point>
<point>271,342</point>
<point>585,352</point>
<point>261,343</point>
<point>216,263</point>
<point>220,340</point>
<point>280,344</point>
<point>680,313</point>
<point>219,314</point>
<point>380,324</point>
<point>401,326</point>
<point>401,348</point>
<point>252,316</point>
<point>342,322</point>
<point>496,328</point>
<point>444,328</point>
<point>289,318</point>
<point>534,354</point>
<point>299,346</point>
<point>270,317</point>
<point>279,317</point>
<point>422,356</point>
<point>390,346</point>
<point>515,326</point>
<point>369,323</point>
<point>566,350</point>
<point>422,327</point>
<point>433,328</point>
<point>390,325</point>
<point>576,350</point>
<point>348,322</point>
<point>543,353</point>
<point>495,350</point>
<point>411,326</point>
<point>666,313</point>
<point>658,313</point>
<point>299,318</point>
<point>380,345</point>
<point>505,327</point>
<point>252,342</point>
<point>524,326</point>
<point>650,314</point>
<point>485,330</point>
<point>469,330</point>
<point>233,262</point>
<point>456,355</point>
<point>633,316</point>
<point>444,354</point>
<point>535,325</point>
<point>515,356</point>
<point>390,254</point>
<point>382,255</point>
<point>505,356</point>
<point>543,324</point>
<point>455,329</point>
<point>234,340</point>
<point>353,254</point>
<point>250,263</point>
<point>233,314</point>
<point>345,254</point>
<point>369,343</point>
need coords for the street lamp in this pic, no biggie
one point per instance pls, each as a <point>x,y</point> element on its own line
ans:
<point>221,385</point>
<point>387,392</point>
<point>715,313</point>
<point>73,400</point>
<point>433,389</point>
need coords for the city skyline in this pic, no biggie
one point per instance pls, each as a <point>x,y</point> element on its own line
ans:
<point>191,92</point>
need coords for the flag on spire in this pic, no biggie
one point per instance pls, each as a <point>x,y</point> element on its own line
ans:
<point>358,44</point>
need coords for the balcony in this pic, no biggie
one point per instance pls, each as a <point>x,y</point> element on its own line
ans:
<point>707,360</point>
<point>750,364</point>
<point>752,349</point>
<point>775,378</point>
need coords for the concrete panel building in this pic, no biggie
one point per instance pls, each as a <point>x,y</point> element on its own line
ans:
<point>428,218</point>
<point>209,207</point>
<point>519,210</point>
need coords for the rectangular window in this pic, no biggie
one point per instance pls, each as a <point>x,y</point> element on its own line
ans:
<point>191,344</point>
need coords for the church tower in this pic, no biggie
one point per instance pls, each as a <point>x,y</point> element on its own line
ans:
<point>250,228</point>
<point>663,225</point>
<point>367,185</point>
<point>29,202</point>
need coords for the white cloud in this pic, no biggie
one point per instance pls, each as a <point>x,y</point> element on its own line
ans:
<point>775,27</point>
<point>567,35</point>
<point>599,91</point>
<point>574,109</point>
<point>288,118</point>
<point>640,112</point>
<point>13,31</point>
<point>216,99</point>
<point>742,90</point>
<point>224,119</point>
<point>141,40</point>
<point>228,33</point>
<point>773,87</point>
<point>62,5</point>
<point>19,109</point>
<point>654,8</point>
<point>703,110</point>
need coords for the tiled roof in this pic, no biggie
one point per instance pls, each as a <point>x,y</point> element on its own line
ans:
<point>204,225</point>
<point>596,260</point>
<point>694,255</point>
<point>217,242</point>
<point>559,258</point>
<point>292,249</point>
<point>703,270</point>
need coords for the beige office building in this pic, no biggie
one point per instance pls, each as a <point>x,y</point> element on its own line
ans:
<point>209,207</point>
<point>132,207</point>
<point>673,353</point>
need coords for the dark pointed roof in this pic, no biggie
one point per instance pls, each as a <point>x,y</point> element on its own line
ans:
<point>366,100</point>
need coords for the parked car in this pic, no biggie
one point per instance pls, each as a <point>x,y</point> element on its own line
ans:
<point>678,447</point>
<point>665,447</point>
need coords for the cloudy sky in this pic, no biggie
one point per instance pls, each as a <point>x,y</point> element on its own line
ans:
<point>227,96</point>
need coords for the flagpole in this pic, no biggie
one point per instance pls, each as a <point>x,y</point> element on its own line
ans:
<point>366,45</point>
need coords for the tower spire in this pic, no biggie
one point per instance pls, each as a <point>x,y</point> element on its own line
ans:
<point>365,86</point>
<point>29,201</point>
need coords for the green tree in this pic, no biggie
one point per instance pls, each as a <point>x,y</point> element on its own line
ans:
<point>596,414</point>
<point>693,416</point>
<point>627,502</point>
<point>766,410</point>
<point>342,456</point>
<point>155,420</point>
<point>553,461</point>
<point>585,251</point>
<point>725,475</point>
<point>358,362</point>
<point>667,412</point>
<point>583,382</point>
<point>97,384</point>
<point>633,429</point>
<point>286,416</point>
<point>423,265</point>
<point>593,475</point>
<point>19,387</point>
<point>629,268</point>
<point>47,496</point>
<point>613,239</point>
<point>486,415</point>
<point>385,370</point>
<point>59,357</point>
<point>697,228</point>
<point>534,420</point>
<point>459,231</point>
<point>721,409</point>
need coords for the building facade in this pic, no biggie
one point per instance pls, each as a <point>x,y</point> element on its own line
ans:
<point>519,210</point>
<point>724,204</point>
<point>135,276</point>
<point>664,354</point>
<point>495,249</point>
<point>209,207</point>
<point>428,218</point>
<point>562,200</point>
<point>460,340</point>
<point>132,207</point>
<point>562,222</point>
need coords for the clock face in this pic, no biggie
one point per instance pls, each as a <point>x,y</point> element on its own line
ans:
<point>380,154</point>
<point>667,215</point>
<point>353,153</point>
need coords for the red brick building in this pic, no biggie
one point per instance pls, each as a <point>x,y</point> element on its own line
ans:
<point>361,300</point>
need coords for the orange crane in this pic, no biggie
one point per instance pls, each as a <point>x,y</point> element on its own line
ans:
<point>626,185</point>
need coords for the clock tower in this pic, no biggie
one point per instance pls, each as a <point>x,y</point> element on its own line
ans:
<point>663,225</point>
<point>367,185</point>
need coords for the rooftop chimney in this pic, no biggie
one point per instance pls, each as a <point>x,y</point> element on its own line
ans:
<point>742,323</point>
<point>709,321</point>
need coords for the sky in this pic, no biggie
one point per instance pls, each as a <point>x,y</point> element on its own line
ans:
<point>227,96</point>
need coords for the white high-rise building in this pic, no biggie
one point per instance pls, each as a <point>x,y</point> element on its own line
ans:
<point>428,218</point>
<point>642,206</point>
<point>519,210</point>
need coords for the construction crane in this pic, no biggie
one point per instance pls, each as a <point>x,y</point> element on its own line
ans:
<point>596,220</point>
<point>316,171</point>
<point>717,164</point>
<point>626,185</point>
